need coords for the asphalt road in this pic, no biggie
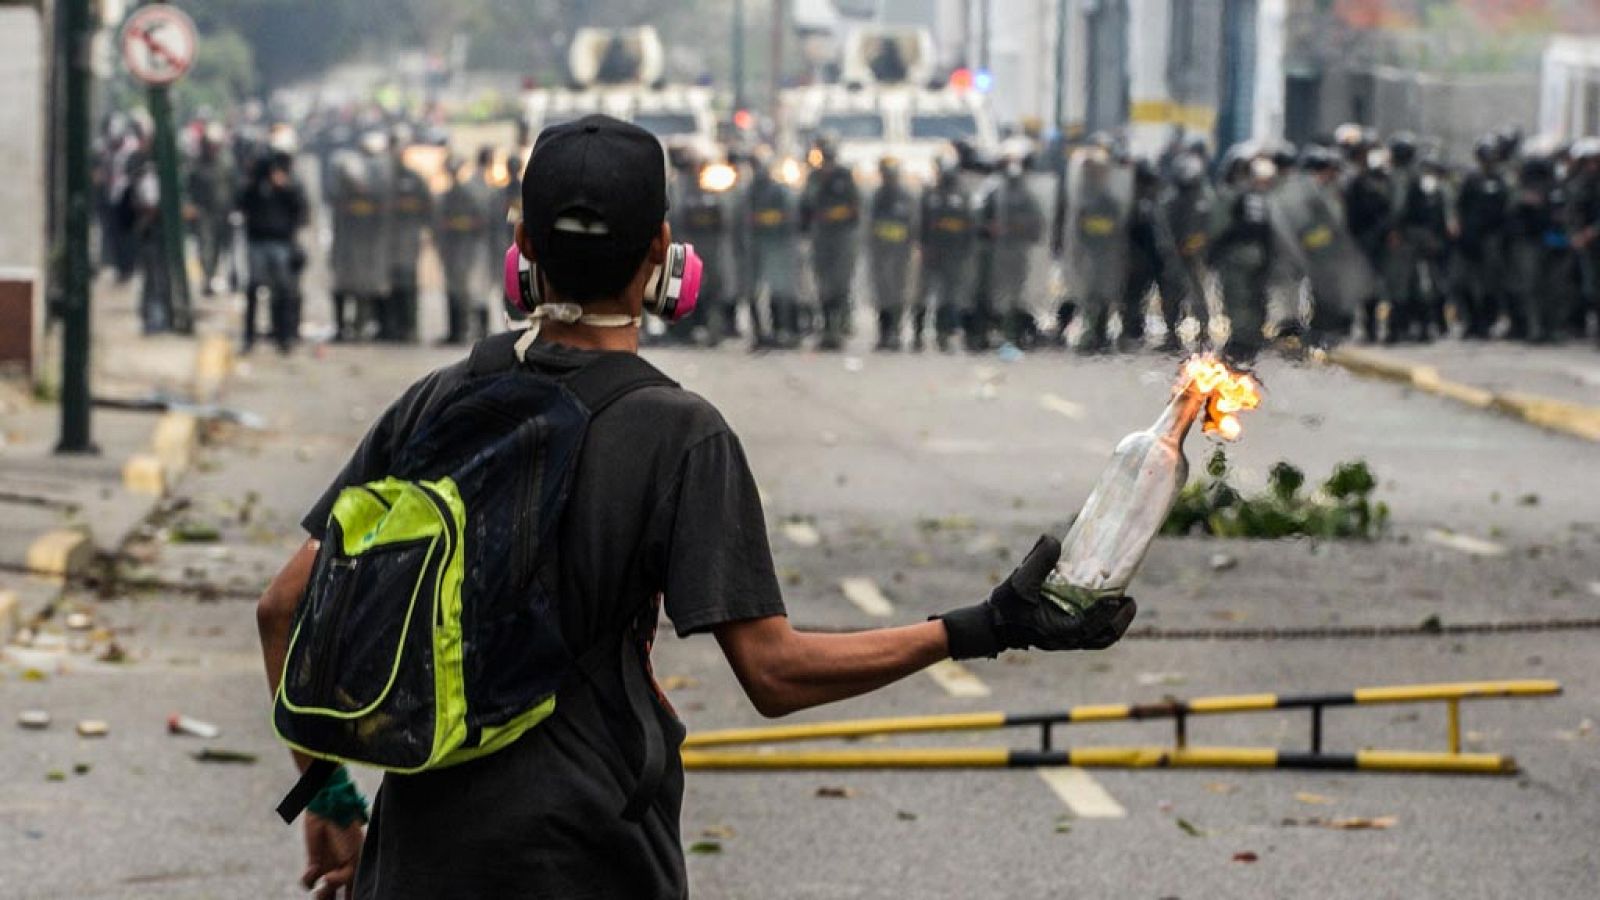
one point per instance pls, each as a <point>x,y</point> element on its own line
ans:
<point>928,475</point>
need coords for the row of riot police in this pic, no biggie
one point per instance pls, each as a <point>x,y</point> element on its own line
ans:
<point>1312,242</point>
<point>946,260</point>
<point>380,208</point>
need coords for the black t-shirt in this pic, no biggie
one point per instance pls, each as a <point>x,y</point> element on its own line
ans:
<point>662,504</point>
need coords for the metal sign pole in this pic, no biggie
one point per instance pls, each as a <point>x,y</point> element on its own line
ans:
<point>171,210</point>
<point>75,293</point>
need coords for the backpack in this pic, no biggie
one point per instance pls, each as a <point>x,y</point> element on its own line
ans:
<point>430,631</point>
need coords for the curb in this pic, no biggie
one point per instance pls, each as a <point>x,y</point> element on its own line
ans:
<point>1571,419</point>
<point>172,447</point>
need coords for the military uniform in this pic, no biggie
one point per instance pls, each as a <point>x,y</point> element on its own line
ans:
<point>889,252</point>
<point>948,232</point>
<point>772,225</point>
<point>830,210</point>
<point>1480,261</point>
<point>360,259</point>
<point>1543,265</point>
<point>1151,257</point>
<point>411,213</point>
<point>1583,223</point>
<point>459,233</point>
<point>1417,242</point>
<point>1098,249</point>
<point>1368,213</point>
<point>1242,253</point>
<point>1187,212</point>
<point>1013,225</point>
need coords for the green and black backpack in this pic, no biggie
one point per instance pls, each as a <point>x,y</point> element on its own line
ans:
<point>430,632</point>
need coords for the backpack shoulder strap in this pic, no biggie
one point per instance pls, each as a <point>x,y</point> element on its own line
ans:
<point>495,353</point>
<point>611,377</point>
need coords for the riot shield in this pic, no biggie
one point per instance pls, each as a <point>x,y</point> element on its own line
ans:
<point>1099,203</point>
<point>1309,225</point>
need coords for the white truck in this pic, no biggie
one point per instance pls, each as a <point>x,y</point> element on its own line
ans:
<point>1569,106</point>
<point>621,73</point>
<point>890,101</point>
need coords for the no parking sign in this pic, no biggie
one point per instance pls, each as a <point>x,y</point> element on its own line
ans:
<point>159,44</point>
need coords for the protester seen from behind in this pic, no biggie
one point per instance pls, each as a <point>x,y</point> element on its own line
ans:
<point>547,498</point>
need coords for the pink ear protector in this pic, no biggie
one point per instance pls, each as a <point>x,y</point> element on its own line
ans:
<point>672,293</point>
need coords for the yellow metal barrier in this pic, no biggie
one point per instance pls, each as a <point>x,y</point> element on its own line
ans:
<point>1179,755</point>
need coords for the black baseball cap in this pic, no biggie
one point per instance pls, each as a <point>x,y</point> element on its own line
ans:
<point>594,185</point>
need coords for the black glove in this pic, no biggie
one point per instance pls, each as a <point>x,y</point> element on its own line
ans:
<point>1018,615</point>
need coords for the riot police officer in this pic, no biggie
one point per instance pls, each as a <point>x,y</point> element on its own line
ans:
<point>459,233</point>
<point>1013,224</point>
<point>1417,237</point>
<point>1480,245</point>
<point>704,220</point>
<point>830,210</point>
<point>772,224</point>
<point>360,196</point>
<point>1187,211</point>
<point>1368,213</point>
<point>1242,253</point>
<point>1583,215</point>
<point>948,235</point>
<point>889,249</point>
<point>1100,196</point>
<point>1150,255</point>
<point>1540,251</point>
<point>411,208</point>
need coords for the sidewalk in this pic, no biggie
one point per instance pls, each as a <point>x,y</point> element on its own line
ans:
<point>59,513</point>
<point>1552,387</point>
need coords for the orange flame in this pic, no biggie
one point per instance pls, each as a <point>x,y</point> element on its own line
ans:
<point>1227,392</point>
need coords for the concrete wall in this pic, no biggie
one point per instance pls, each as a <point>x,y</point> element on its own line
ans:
<point>22,159</point>
<point>1454,109</point>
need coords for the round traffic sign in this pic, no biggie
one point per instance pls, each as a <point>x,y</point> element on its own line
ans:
<point>159,43</point>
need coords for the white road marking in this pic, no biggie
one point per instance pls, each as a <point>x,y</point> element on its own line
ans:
<point>1082,793</point>
<point>1594,588</point>
<point>957,680</point>
<point>1464,543</point>
<point>1058,404</point>
<point>801,534</point>
<point>864,593</point>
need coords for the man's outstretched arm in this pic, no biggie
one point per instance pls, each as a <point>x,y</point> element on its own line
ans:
<point>784,670</point>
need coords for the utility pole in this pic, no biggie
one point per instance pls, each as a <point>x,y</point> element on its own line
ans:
<point>166,147</point>
<point>1058,225</point>
<point>76,33</point>
<point>966,34</point>
<point>780,24</point>
<point>985,12</point>
<point>739,99</point>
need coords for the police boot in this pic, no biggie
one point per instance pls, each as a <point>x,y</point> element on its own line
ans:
<point>919,320</point>
<point>456,317</point>
<point>889,330</point>
<point>1170,342</point>
<point>832,324</point>
<point>341,330</point>
<point>977,331</point>
<point>1369,321</point>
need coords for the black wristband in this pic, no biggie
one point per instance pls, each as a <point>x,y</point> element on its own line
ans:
<point>972,633</point>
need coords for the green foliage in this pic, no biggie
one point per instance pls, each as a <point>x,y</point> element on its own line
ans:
<point>224,75</point>
<point>1342,508</point>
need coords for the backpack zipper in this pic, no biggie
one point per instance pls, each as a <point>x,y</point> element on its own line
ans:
<point>450,544</point>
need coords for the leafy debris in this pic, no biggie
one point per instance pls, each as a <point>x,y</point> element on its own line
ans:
<point>1341,508</point>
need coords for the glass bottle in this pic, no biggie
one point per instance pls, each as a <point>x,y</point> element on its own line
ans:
<point>1123,514</point>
